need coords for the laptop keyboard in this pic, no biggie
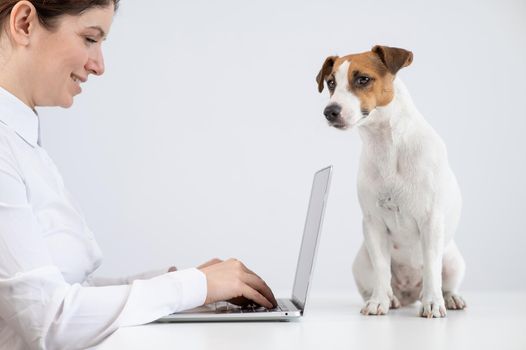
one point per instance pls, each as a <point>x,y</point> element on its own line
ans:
<point>224,307</point>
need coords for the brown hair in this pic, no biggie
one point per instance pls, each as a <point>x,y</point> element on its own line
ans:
<point>50,10</point>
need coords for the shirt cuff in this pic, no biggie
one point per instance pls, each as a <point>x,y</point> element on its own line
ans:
<point>162,295</point>
<point>195,287</point>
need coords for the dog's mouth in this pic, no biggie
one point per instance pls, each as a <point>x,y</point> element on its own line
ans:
<point>339,125</point>
<point>342,124</point>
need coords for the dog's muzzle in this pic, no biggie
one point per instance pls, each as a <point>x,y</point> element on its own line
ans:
<point>332,112</point>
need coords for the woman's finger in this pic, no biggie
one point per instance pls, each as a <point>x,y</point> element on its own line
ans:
<point>254,295</point>
<point>261,287</point>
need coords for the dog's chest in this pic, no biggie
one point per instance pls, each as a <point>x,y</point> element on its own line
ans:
<point>387,182</point>
<point>393,207</point>
<point>387,189</point>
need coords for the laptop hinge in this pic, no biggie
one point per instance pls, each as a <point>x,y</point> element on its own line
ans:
<point>296,304</point>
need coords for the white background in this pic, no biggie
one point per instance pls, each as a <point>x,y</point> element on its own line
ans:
<point>202,137</point>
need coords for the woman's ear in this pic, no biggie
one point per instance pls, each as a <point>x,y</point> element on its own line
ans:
<point>22,22</point>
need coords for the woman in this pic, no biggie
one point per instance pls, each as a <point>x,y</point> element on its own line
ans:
<point>48,296</point>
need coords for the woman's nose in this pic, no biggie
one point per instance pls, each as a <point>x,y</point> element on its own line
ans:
<point>95,64</point>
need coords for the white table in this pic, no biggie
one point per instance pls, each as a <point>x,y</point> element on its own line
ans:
<point>492,321</point>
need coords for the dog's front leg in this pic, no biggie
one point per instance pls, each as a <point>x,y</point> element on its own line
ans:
<point>377,242</point>
<point>432,240</point>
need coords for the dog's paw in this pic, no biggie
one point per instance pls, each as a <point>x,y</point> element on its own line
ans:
<point>380,306</point>
<point>376,307</point>
<point>433,308</point>
<point>454,301</point>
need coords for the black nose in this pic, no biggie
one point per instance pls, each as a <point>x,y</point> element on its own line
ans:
<point>332,112</point>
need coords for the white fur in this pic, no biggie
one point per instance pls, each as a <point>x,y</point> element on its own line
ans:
<point>411,206</point>
<point>350,104</point>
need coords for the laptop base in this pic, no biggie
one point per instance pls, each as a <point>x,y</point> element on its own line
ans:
<point>218,313</point>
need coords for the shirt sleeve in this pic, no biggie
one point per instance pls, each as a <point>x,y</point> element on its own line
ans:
<point>98,281</point>
<point>49,313</point>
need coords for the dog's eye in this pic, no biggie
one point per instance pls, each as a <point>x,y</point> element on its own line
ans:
<point>362,80</point>
<point>331,84</point>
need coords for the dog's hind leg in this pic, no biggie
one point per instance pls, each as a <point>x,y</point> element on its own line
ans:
<point>453,268</point>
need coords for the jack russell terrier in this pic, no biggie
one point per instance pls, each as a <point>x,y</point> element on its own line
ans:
<point>408,194</point>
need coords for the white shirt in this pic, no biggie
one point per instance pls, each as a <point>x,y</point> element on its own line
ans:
<point>49,298</point>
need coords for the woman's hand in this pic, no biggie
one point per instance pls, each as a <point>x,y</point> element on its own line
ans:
<point>209,262</point>
<point>232,281</point>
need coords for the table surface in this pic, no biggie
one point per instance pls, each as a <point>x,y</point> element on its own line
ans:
<point>491,321</point>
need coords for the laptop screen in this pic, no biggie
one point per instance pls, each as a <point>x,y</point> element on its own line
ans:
<point>313,223</point>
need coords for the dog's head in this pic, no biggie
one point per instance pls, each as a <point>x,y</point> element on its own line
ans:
<point>359,83</point>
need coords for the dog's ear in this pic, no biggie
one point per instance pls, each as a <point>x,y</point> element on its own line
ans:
<point>394,58</point>
<point>326,69</point>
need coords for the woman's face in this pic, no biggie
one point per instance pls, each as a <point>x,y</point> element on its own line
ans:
<point>65,56</point>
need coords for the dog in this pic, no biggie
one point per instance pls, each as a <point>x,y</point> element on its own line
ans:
<point>408,194</point>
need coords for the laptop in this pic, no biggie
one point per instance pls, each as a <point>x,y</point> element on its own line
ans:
<point>287,309</point>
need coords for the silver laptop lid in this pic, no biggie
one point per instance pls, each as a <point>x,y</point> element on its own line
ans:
<point>309,243</point>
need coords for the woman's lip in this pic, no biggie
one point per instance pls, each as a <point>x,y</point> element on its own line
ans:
<point>81,79</point>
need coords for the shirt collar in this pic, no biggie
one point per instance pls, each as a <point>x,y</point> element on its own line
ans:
<point>19,117</point>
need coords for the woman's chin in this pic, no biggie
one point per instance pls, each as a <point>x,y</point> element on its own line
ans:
<point>66,103</point>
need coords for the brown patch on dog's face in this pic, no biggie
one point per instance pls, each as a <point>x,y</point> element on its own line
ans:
<point>370,81</point>
<point>359,83</point>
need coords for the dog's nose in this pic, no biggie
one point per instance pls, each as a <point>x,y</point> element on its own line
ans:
<point>332,112</point>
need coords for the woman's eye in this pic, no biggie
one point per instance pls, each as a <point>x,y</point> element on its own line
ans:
<point>362,81</point>
<point>91,40</point>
